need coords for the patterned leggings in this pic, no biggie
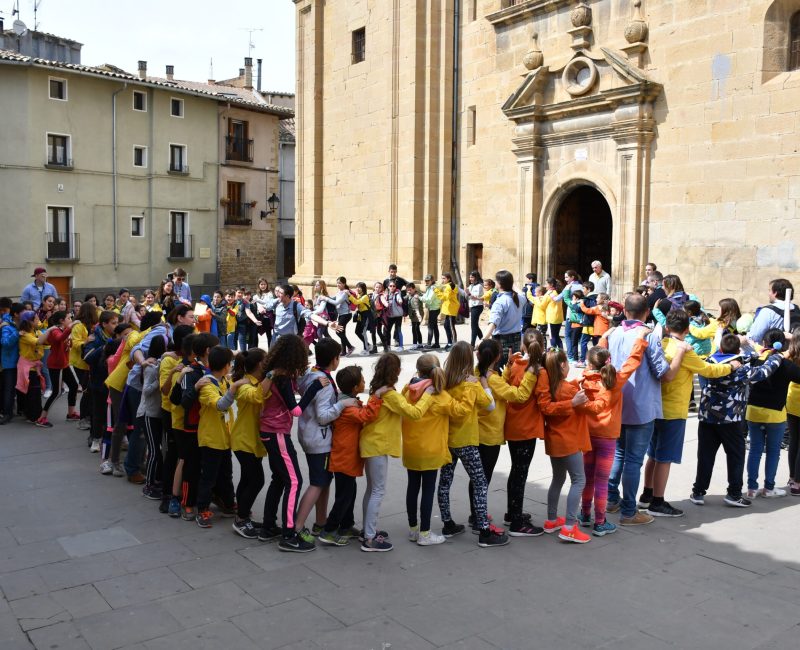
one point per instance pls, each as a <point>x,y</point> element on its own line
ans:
<point>597,466</point>
<point>471,460</point>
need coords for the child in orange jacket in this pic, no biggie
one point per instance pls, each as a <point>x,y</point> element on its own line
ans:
<point>566,437</point>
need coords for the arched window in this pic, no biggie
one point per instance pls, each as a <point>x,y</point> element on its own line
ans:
<point>794,42</point>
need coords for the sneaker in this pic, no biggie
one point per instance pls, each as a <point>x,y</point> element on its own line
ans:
<point>174,509</point>
<point>106,467</point>
<point>245,528</point>
<point>451,528</point>
<point>296,544</point>
<point>84,424</point>
<point>472,524</point>
<point>492,536</point>
<point>448,347</point>
<point>378,533</point>
<point>413,533</point>
<point>585,519</point>
<point>525,529</point>
<point>573,534</point>
<point>795,490</point>
<point>613,506</point>
<point>119,470</point>
<point>73,417</point>
<point>399,348</point>
<point>429,538</point>
<point>44,423</point>
<point>697,499</point>
<point>644,501</point>
<point>378,544</point>
<point>187,514</point>
<point>317,529</point>
<point>553,526</point>
<point>333,538</point>
<point>606,528</point>
<point>350,352</point>
<point>95,448</point>
<point>366,353</point>
<point>435,346</point>
<point>151,492</point>
<point>525,516</point>
<point>737,502</point>
<point>664,509</point>
<point>373,351</point>
<point>639,519</point>
<point>204,518</point>
<point>268,533</point>
<point>349,533</point>
<point>47,394</point>
<point>771,494</point>
<point>580,364</point>
<point>305,535</point>
<point>137,478</point>
<point>752,494</point>
<point>163,506</point>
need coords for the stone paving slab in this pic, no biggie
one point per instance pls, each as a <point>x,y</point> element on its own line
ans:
<point>106,570</point>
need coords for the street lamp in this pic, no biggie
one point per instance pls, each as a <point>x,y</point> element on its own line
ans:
<point>273,202</point>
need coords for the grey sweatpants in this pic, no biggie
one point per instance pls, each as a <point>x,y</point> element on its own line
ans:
<point>376,469</point>
<point>574,465</point>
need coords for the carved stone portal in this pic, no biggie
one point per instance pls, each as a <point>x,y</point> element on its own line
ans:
<point>587,120</point>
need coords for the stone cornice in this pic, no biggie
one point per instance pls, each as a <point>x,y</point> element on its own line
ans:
<point>524,10</point>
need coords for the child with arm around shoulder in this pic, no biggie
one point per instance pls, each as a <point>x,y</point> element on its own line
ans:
<point>381,439</point>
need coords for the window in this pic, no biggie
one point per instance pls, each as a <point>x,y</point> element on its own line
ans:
<point>58,89</point>
<point>794,42</point>
<point>137,226</point>
<point>176,107</point>
<point>237,209</point>
<point>359,45</point>
<point>475,258</point>
<point>177,159</point>
<point>58,150</point>
<point>61,239</point>
<point>139,101</point>
<point>139,156</point>
<point>471,125</point>
<point>237,145</point>
<point>179,239</point>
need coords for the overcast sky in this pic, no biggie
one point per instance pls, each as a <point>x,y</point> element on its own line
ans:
<point>183,33</point>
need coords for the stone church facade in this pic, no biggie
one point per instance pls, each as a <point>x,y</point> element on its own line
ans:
<point>625,130</point>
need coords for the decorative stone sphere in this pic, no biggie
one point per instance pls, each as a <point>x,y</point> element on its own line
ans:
<point>533,58</point>
<point>636,31</point>
<point>581,16</point>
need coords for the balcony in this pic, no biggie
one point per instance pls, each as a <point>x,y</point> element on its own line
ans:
<point>238,149</point>
<point>237,213</point>
<point>181,247</point>
<point>64,164</point>
<point>177,169</point>
<point>62,247</point>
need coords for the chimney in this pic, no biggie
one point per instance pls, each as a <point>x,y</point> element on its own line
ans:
<point>248,73</point>
<point>142,69</point>
<point>258,83</point>
<point>170,73</point>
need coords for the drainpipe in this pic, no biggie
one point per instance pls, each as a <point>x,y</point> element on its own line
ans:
<point>114,171</point>
<point>454,169</point>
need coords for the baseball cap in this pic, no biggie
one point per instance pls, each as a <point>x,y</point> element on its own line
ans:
<point>38,270</point>
<point>429,277</point>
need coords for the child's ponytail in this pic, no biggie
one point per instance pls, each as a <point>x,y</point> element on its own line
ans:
<point>428,368</point>
<point>600,359</point>
<point>534,345</point>
<point>553,361</point>
<point>489,352</point>
<point>247,362</point>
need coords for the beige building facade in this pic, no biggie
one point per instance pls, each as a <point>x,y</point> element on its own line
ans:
<point>614,129</point>
<point>112,179</point>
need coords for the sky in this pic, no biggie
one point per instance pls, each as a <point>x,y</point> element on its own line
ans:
<point>185,33</point>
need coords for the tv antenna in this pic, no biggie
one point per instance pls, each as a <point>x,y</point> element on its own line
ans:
<point>36,5</point>
<point>250,45</point>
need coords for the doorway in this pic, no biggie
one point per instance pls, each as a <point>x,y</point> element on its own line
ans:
<point>583,232</point>
<point>63,286</point>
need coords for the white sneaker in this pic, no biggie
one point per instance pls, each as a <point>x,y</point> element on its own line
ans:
<point>752,494</point>
<point>106,467</point>
<point>95,446</point>
<point>364,353</point>
<point>413,534</point>
<point>118,470</point>
<point>399,348</point>
<point>771,494</point>
<point>47,394</point>
<point>429,538</point>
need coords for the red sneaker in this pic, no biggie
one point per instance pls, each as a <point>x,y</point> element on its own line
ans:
<point>573,534</point>
<point>553,526</point>
<point>73,417</point>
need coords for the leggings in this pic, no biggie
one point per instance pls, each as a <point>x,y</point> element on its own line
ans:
<point>474,324</point>
<point>286,482</point>
<point>416,333</point>
<point>794,446</point>
<point>572,464</point>
<point>597,466</point>
<point>343,319</point>
<point>251,480</point>
<point>57,376</point>
<point>471,459</point>
<point>169,448</point>
<point>450,329</point>
<point>489,455</point>
<point>99,411</point>
<point>216,476</point>
<point>425,479</point>
<point>33,398</point>
<point>341,515</point>
<point>376,468</point>
<point>152,430</point>
<point>433,326</point>
<point>120,427</point>
<point>85,407</point>
<point>190,477</point>
<point>521,452</point>
<point>555,335</point>
<point>364,326</point>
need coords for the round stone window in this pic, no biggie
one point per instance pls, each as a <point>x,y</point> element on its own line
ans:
<point>579,76</point>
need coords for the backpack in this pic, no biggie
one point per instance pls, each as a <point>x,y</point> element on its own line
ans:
<point>794,315</point>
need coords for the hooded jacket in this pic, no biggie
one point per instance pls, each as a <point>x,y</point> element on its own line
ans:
<point>315,425</point>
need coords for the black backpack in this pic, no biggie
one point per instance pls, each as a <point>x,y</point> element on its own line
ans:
<point>299,321</point>
<point>794,315</point>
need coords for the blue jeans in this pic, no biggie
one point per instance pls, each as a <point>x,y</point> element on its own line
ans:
<point>627,468</point>
<point>133,459</point>
<point>572,353</point>
<point>231,341</point>
<point>773,433</point>
<point>48,383</point>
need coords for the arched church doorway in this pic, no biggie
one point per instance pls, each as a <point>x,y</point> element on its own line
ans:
<point>583,231</point>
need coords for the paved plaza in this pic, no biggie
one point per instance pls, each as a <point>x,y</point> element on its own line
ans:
<point>87,562</point>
